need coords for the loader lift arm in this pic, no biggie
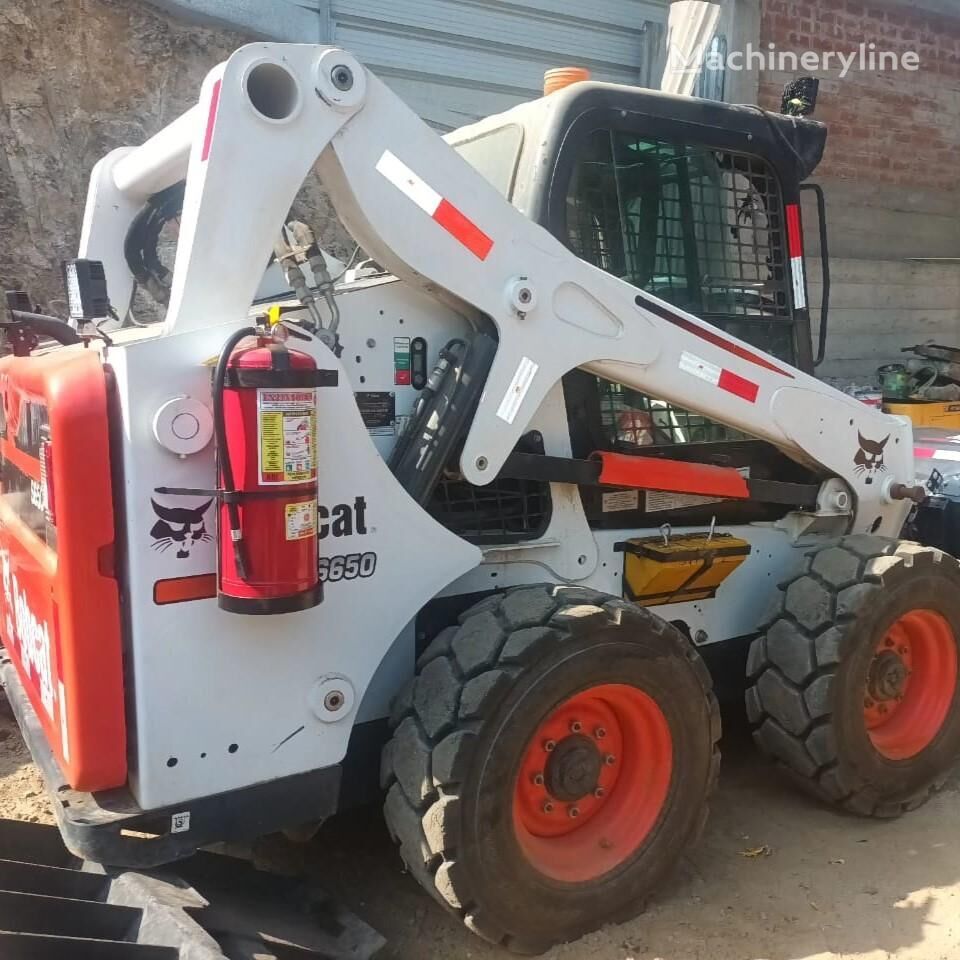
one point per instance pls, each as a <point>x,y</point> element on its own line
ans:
<point>268,113</point>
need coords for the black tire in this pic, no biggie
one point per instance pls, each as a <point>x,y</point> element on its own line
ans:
<point>810,673</point>
<point>462,725</point>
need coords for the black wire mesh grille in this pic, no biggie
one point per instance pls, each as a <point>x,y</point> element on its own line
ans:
<point>501,512</point>
<point>701,229</point>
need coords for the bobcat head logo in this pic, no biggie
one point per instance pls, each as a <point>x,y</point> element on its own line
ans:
<point>180,527</point>
<point>869,458</point>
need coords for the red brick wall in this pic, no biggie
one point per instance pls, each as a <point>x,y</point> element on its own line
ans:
<point>885,127</point>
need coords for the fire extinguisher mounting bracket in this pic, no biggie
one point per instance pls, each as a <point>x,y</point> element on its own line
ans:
<point>295,379</point>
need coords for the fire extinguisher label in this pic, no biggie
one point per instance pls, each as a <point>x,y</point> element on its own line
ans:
<point>287,434</point>
<point>301,519</point>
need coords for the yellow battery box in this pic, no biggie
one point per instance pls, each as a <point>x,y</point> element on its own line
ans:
<point>690,566</point>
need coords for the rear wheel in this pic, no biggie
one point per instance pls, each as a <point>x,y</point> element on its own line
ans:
<point>855,683</point>
<point>550,762</point>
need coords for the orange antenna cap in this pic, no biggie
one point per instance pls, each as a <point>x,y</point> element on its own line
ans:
<point>561,77</point>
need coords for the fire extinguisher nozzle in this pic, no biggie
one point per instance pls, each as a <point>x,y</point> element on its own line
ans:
<point>238,560</point>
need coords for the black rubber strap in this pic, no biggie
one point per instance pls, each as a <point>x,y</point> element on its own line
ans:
<point>296,379</point>
<point>238,496</point>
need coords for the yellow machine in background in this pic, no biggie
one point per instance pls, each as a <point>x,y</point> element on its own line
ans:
<point>945,416</point>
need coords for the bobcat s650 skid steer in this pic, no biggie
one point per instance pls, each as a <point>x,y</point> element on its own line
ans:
<point>466,522</point>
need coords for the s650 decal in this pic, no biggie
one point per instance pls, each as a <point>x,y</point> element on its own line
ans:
<point>348,566</point>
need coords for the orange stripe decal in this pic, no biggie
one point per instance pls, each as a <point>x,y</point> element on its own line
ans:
<point>441,210</point>
<point>203,586</point>
<point>710,336</point>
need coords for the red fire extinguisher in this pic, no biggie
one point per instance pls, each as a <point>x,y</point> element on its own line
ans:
<point>264,399</point>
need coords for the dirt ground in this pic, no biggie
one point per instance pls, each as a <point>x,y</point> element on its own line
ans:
<point>21,788</point>
<point>830,886</point>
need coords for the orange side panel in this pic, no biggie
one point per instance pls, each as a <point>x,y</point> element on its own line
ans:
<point>674,476</point>
<point>59,605</point>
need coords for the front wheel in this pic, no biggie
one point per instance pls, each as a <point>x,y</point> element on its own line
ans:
<point>854,686</point>
<point>550,762</point>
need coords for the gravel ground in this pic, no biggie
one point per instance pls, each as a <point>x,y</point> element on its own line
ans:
<point>21,789</point>
<point>825,886</point>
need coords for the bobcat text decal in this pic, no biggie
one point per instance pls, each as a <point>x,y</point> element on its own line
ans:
<point>344,520</point>
<point>31,635</point>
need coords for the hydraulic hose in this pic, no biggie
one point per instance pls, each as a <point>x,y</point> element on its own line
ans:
<point>52,327</point>
<point>223,451</point>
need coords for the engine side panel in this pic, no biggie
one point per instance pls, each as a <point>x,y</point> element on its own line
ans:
<point>222,701</point>
<point>59,604</point>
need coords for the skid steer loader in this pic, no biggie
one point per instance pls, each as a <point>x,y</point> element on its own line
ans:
<point>467,521</point>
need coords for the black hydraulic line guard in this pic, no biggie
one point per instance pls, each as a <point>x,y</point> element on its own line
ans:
<point>430,438</point>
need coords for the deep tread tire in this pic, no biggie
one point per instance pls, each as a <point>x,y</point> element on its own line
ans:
<point>449,793</point>
<point>807,672</point>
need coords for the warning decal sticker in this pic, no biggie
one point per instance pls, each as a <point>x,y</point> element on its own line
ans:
<point>287,435</point>
<point>301,519</point>
<point>401,361</point>
<point>620,500</point>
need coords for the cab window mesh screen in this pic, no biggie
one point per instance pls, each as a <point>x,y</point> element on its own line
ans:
<point>630,419</point>
<point>701,229</point>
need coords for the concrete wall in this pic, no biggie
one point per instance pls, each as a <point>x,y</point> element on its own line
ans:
<point>453,61</point>
<point>889,174</point>
<point>78,78</point>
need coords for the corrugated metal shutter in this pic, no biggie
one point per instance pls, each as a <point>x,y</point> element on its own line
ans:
<point>455,61</point>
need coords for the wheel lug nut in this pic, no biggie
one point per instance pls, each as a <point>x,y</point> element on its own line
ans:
<point>609,759</point>
<point>599,792</point>
<point>599,733</point>
<point>576,726</point>
<point>573,812</point>
<point>538,779</point>
<point>549,745</point>
<point>547,806</point>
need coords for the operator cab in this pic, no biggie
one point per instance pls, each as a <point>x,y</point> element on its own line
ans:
<point>695,201</point>
<point>691,200</point>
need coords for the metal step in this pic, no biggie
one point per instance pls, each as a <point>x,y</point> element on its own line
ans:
<point>54,907</point>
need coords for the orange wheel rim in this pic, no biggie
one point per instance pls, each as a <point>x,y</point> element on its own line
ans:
<point>592,783</point>
<point>911,684</point>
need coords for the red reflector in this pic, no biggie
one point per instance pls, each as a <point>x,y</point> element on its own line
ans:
<point>211,120</point>
<point>180,589</point>
<point>794,233</point>
<point>734,383</point>
<point>46,481</point>
<point>464,229</point>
